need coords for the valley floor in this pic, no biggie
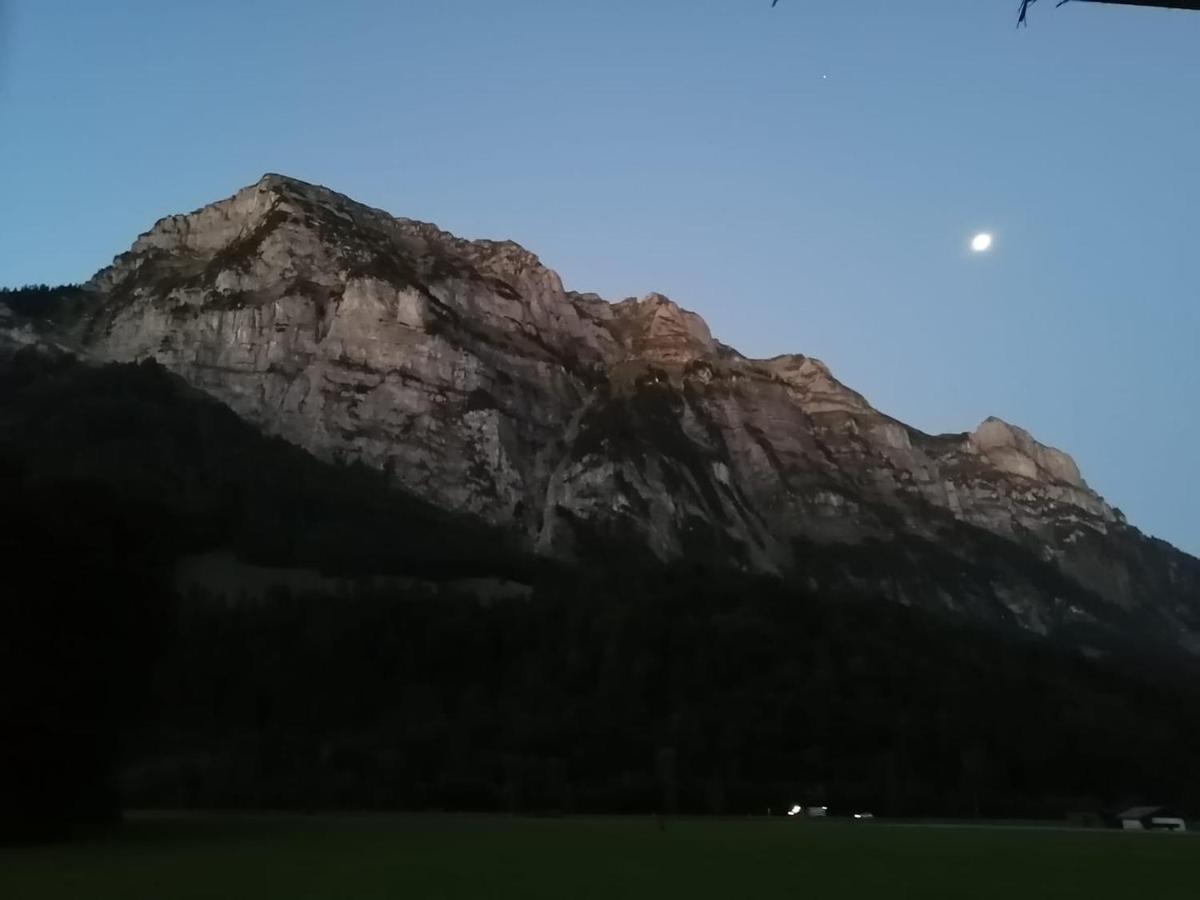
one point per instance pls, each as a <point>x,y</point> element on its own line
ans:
<point>186,856</point>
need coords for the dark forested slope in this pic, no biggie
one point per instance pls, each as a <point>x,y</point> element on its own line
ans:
<point>612,685</point>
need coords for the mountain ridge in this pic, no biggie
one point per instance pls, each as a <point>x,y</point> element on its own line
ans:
<point>468,373</point>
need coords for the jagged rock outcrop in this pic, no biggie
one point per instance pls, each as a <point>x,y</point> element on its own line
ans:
<point>466,371</point>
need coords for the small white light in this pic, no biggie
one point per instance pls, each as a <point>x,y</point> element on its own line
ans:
<point>794,811</point>
<point>982,242</point>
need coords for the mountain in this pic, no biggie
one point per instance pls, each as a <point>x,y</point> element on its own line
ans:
<point>466,373</point>
<point>615,566</point>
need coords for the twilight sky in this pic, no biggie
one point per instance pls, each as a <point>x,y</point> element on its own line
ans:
<point>807,178</point>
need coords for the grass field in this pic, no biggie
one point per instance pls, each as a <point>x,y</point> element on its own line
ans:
<point>364,858</point>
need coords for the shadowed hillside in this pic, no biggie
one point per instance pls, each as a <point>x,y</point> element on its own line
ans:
<point>620,687</point>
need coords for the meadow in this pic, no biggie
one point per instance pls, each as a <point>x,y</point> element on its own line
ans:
<point>181,857</point>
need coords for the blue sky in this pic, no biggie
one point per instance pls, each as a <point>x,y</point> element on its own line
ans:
<point>806,178</point>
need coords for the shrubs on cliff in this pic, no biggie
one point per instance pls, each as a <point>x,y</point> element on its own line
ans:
<point>41,302</point>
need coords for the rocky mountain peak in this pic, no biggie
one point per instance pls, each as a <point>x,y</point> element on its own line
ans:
<point>820,391</point>
<point>657,329</point>
<point>1013,450</point>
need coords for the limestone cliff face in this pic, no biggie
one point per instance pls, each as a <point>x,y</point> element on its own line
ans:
<point>466,371</point>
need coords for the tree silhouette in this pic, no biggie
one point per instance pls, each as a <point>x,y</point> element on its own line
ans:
<point>1165,4</point>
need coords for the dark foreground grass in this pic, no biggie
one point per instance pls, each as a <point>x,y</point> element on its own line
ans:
<point>364,858</point>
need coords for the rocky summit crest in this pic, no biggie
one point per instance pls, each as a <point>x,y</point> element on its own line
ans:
<point>466,371</point>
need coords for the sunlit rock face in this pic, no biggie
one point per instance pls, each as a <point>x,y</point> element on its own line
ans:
<point>466,371</point>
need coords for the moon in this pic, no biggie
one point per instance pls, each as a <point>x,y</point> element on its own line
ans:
<point>982,242</point>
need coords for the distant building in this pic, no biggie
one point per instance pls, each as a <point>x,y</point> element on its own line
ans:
<point>1150,818</point>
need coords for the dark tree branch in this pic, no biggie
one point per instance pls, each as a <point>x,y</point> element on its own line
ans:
<point>1165,4</point>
